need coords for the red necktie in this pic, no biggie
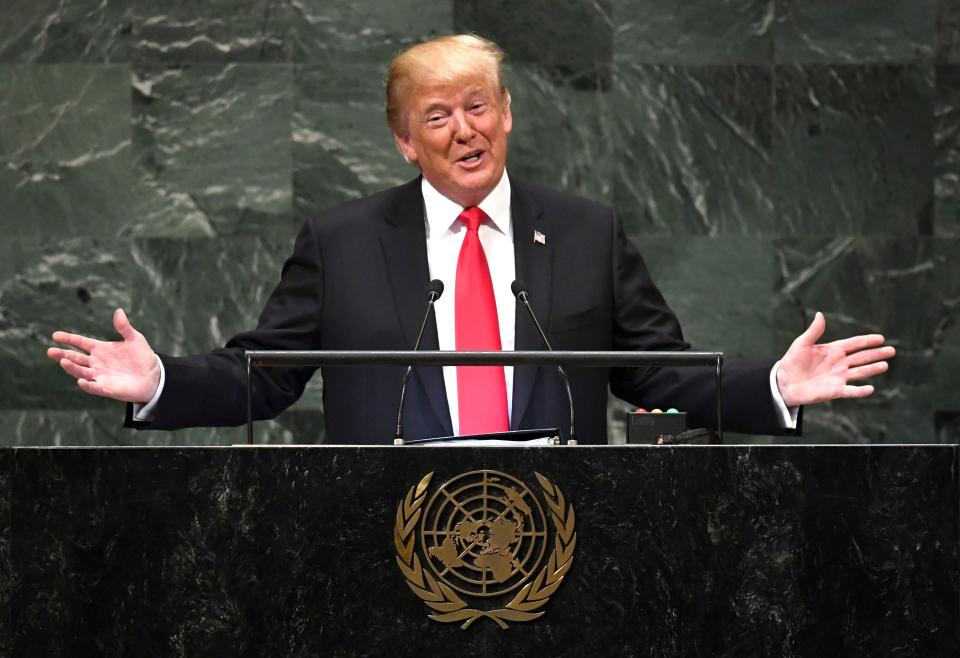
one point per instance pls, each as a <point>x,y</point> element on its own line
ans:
<point>481,390</point>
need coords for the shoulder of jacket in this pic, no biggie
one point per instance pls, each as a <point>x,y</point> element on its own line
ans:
<point>563,204</point>
<point>369,211</point>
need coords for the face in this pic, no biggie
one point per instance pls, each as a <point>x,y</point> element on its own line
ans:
<point>457,135</point>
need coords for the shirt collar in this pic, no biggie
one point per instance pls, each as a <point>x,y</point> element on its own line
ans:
<point>442,213</point>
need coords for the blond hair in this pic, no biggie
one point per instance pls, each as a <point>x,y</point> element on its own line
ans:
<point>443,60</point>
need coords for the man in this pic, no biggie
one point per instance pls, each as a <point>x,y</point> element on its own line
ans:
<point>357,280</point>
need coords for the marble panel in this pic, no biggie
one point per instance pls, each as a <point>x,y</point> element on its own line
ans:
<point>690,551</point>
<point>947,425</point>
<point>693,145</point>
<point>342,146</point>
<point>697,32</point>
<point>946,182</point>
<point>65,150</point>
<point>85,428</point>
<point>944,315</point>
<point>72,427</point>
<point>212,31</point>
<point>180,317</point>
<point>864,286</point>
<point>947,32</point>
<point>65,31</point>
<point>853,150</point>
<point>570,41</point>
<point>337,32</point>
<point>821,31</point>
<point>722,290</point>
<point>212,149</point>
<point>73,285</point>
<point>562,137</point>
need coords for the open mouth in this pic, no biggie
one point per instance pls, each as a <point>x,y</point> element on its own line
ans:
<point>471,158</point>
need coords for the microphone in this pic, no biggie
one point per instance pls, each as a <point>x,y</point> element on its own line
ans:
<point>434,290</point>
<point>520,292</point>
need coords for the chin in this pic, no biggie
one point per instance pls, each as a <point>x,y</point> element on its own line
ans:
<point>473,195</point>
<point>478,184</point>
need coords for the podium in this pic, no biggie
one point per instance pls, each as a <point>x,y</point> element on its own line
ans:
<point>275,551</point>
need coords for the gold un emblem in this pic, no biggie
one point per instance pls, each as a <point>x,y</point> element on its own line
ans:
<point>479,541</point>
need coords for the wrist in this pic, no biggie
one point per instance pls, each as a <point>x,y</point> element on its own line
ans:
<point>155,376</point>
<point>783,386</point>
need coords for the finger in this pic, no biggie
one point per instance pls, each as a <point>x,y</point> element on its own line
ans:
<point>870,356</point>
<point>91,387</point>
<point>80,358</point>
<point>123,326</point>
<point>814,332</point>
<point>56,353</point>
<point>850,391</point>
<point>75,340</point>
<point>864,372</point>
<point>857,343</point>
<point>76,370</point>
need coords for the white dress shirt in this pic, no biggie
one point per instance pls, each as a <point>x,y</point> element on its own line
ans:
<point>444,237</point>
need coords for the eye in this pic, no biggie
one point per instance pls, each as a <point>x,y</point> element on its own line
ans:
<point>435,120</point>
<point>478,107</point>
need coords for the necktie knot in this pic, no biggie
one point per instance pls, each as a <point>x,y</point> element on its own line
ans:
<point>472,218</point>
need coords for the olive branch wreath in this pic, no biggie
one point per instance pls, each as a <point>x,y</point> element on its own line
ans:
<point>447,604</point>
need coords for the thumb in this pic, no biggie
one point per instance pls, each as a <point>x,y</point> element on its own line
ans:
<point>123,326</point>
<point>815,331</point>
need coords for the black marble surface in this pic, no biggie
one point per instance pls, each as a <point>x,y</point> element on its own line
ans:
<point>732,551</point>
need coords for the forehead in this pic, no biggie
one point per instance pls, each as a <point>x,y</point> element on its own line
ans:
<point>449,92</point>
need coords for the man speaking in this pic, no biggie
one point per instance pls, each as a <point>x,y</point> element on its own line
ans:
<point>358,276</point>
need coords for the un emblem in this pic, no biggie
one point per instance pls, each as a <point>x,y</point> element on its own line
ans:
<point>483,537</point>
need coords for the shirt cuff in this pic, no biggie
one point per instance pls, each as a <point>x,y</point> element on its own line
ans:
<point>787,416</point>
<point>144,412</point>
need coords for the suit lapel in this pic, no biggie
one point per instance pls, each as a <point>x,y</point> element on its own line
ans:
<point>534,268</point>
<point>404,249</point>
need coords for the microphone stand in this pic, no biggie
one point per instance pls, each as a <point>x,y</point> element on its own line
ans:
<point>520,292</point>
<point>434,290</point>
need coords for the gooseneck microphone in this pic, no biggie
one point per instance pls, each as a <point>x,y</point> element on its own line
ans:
<point>520,292</point>
<point>434,290</point>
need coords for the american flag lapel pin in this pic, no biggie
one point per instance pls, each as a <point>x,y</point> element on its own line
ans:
<point>539,237</point>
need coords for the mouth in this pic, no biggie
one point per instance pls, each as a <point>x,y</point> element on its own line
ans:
<point>471,158</point>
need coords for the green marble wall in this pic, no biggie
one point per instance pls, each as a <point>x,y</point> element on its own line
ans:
<point>771,159</point>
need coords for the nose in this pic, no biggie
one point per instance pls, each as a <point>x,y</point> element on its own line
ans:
<point>463,130</point>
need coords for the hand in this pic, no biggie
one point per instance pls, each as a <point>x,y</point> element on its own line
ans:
<point>811,373</point>
<point>124,370</point>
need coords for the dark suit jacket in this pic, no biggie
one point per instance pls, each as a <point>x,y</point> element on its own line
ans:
<point>357,279</point>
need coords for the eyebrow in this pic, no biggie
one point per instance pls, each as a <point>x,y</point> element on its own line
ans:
<point>472,92</point>
<point>433,106</point>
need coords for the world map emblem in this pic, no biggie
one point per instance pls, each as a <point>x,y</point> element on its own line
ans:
<point>485,545</point>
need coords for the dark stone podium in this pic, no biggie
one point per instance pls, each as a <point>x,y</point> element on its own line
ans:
<point>692,551</point>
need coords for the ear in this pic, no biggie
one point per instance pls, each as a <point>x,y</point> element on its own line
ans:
<point>505,101</point>
<point>405,147</point>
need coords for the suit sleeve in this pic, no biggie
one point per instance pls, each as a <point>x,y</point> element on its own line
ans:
<point>642,320</point>
<point>209,390</point>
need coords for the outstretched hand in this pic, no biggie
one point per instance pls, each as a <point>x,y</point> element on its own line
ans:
<point>811,372</point>
<point>124,370</point>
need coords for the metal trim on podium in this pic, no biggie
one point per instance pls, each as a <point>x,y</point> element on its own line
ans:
<point>585,359</point>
